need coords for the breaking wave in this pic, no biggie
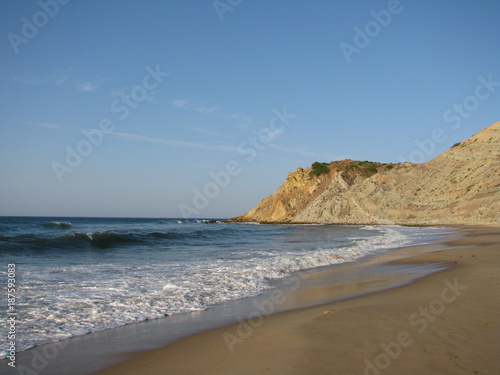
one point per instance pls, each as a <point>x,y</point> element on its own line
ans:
<point>57,224</point>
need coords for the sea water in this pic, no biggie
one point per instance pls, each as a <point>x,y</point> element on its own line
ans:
<point>80,275</point>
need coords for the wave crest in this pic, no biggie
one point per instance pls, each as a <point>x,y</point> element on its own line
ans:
<point>101,240</point>
<point>57,224</point>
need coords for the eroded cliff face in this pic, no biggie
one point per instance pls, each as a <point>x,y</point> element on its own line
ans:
<point>460,186</point>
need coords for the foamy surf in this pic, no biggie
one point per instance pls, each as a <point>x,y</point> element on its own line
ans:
<point>110,272</point>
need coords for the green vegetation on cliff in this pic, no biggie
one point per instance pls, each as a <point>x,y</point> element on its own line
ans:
<point>364,168</point>
<point>319,169</point>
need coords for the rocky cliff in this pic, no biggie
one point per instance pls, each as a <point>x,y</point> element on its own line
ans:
<point>460,186</point>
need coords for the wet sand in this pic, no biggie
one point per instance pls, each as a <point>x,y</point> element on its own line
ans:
<point>379,323</point>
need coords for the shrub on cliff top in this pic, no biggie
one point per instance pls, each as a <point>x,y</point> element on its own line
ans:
<point>319,169</point>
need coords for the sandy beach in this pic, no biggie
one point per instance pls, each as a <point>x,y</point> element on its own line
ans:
<point>443,323</point>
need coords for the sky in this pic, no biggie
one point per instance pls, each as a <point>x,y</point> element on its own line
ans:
<point>189,108</point>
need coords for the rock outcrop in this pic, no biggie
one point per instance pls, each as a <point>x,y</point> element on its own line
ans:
<point>460,186</point>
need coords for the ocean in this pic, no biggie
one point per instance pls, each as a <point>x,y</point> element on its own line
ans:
<point>80,275</point>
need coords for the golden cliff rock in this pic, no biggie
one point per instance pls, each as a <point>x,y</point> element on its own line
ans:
<point>460,186</point>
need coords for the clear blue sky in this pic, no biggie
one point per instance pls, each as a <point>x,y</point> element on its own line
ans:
<point>230,70</point>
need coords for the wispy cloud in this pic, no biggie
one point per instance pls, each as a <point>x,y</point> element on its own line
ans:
<point>199,107</point>
<point>244,120</point>
<point>239,117</point>
<point>180,103</point>
<point>270,135</point>
<point>126,92</point>
<point>210,132</point>
<point>170,142</point>
<point>87,86</point>
<point>60,79</point>
<point>47,125</point>
<point>206,110</point>
<point>56,78</point>
<point>203,108</point>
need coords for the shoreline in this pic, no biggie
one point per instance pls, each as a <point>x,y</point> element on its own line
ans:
<point>445,322</point>
<point>115,349</point>
<point>115,345</point>
<point>356,335</point>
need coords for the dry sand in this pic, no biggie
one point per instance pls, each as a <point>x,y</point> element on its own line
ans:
<point>444,323</point>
